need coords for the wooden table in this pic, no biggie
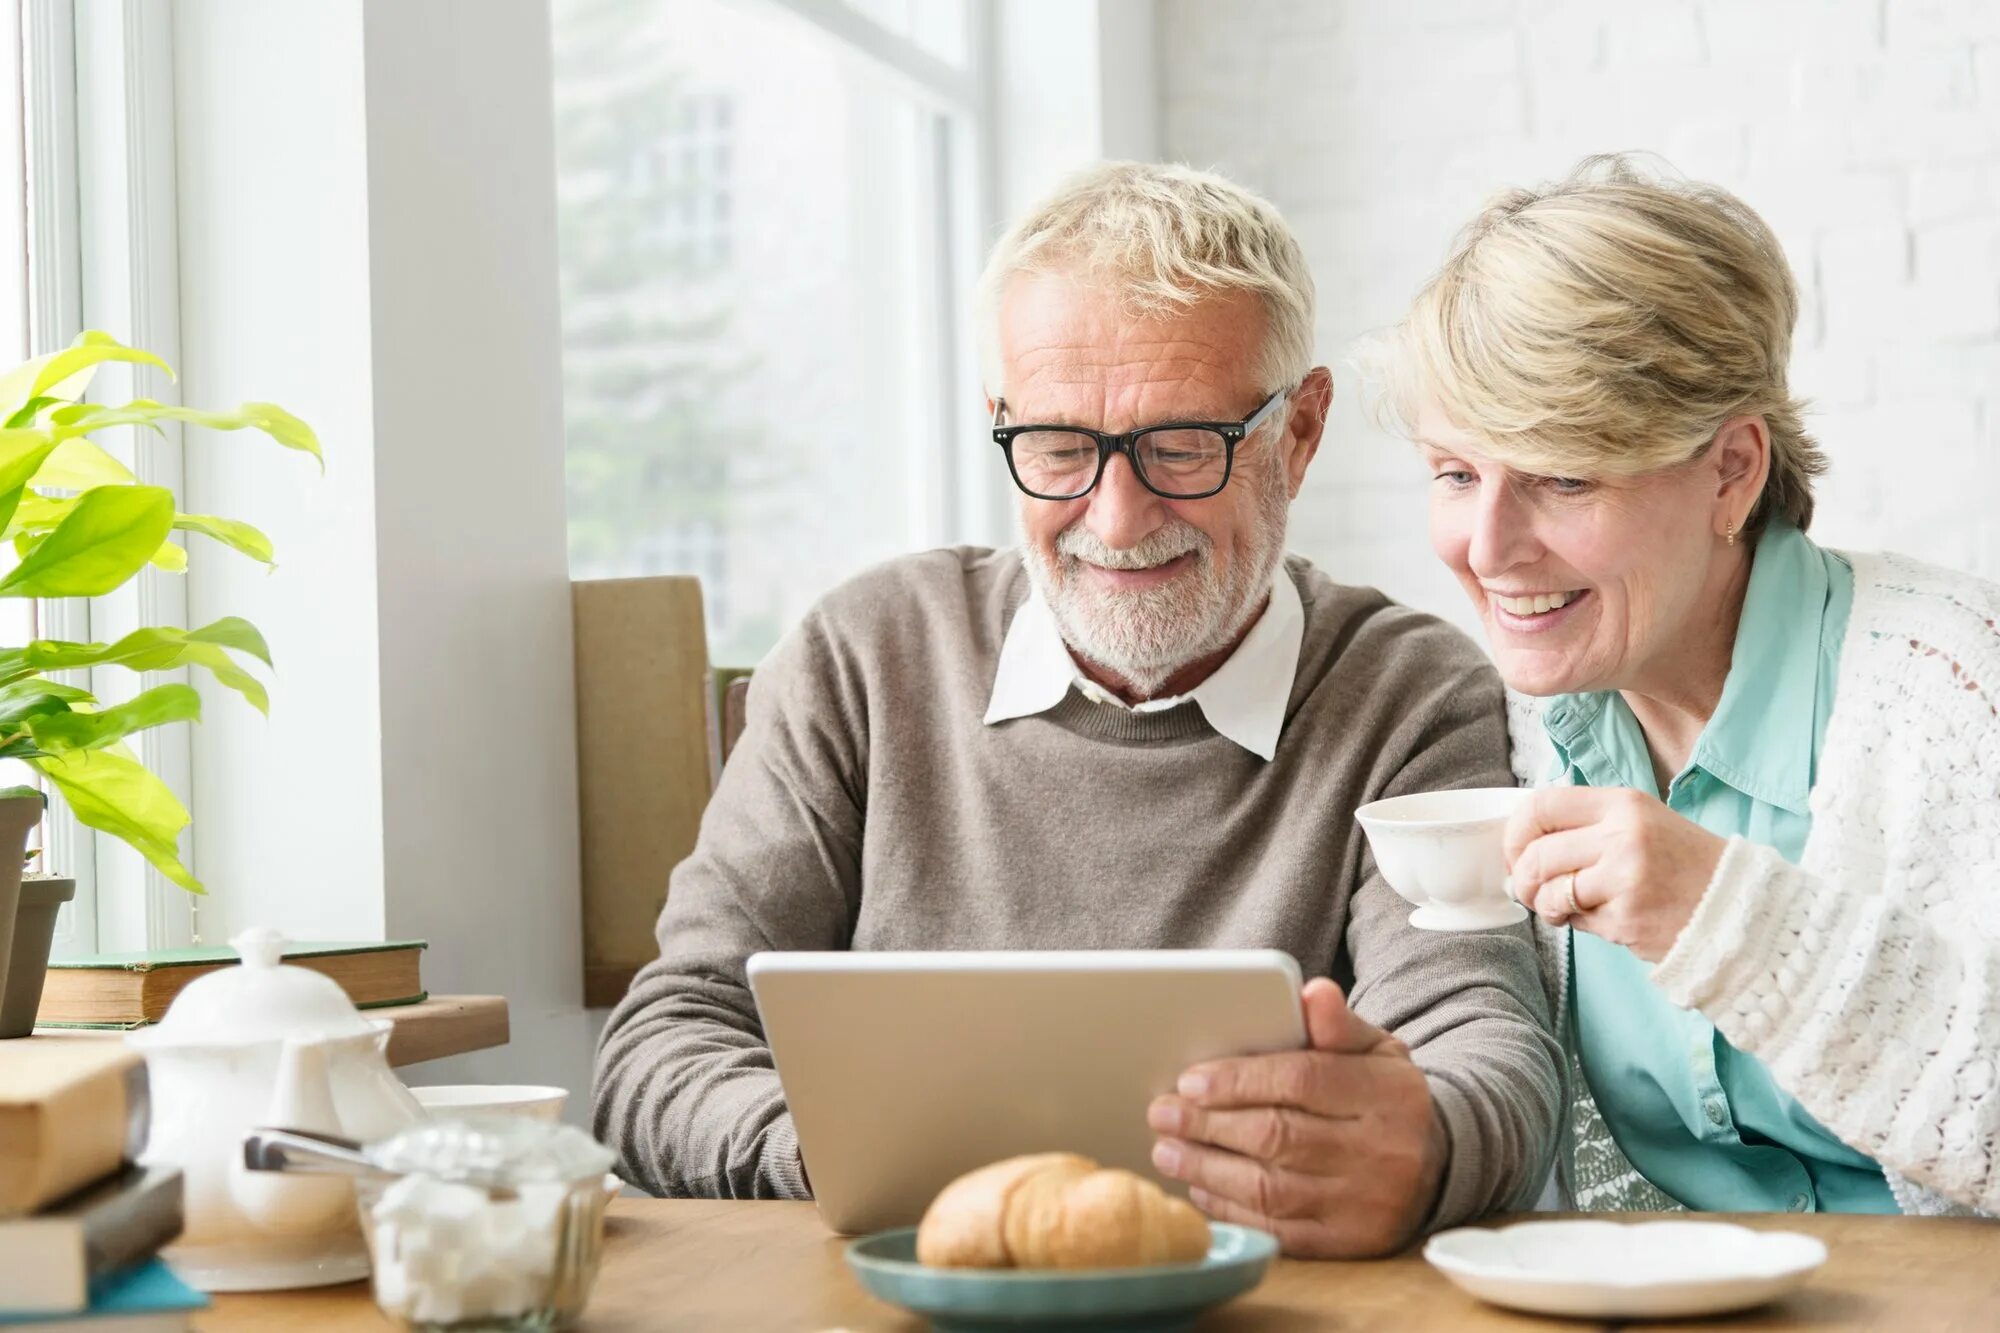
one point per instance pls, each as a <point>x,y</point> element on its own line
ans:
<point>680,1265</point>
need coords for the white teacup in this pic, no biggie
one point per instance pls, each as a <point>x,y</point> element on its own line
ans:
<point>1443,851</point>
<point>539,1103</point>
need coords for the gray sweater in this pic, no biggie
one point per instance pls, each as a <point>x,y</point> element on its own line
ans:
<point>867,806</point>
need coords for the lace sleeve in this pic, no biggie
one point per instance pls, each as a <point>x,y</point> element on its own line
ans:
<point>1883,1021</point>
<point>1867,978</point>
<point>1532,756</point>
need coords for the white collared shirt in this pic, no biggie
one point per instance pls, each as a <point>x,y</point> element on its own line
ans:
<point>1243,699</point>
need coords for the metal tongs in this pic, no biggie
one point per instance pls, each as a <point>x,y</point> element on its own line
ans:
<point>307,1152</point>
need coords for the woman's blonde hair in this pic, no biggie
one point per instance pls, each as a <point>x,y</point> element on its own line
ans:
<point>1162,238</point>
<point>1607,325</point>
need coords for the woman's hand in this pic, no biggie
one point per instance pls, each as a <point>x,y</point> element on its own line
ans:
<point>1639,868</point>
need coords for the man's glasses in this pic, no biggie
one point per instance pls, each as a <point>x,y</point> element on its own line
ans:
<point>1176,460</point>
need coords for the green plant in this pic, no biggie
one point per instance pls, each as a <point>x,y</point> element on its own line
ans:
<point>82,525</point>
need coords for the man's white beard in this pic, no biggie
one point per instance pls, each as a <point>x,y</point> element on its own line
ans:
<point>1146,635</point>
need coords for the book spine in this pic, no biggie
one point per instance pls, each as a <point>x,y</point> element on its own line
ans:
<point>57,1260</point>
<point>123,993</point>
<point>133,1224</point>
<point>83,1133</point>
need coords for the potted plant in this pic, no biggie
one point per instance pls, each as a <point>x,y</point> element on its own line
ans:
<point>82,525</point>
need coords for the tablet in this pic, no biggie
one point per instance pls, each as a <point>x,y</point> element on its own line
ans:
<point>905,1070</point>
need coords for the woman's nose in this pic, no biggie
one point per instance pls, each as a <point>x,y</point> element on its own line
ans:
<point>1502,531</point>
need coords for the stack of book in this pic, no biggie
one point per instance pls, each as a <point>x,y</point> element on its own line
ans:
<point>129,990</point>
<point>81,1226</point>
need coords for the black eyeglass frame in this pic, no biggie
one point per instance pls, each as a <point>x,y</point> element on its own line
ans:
<point>1233,433</point>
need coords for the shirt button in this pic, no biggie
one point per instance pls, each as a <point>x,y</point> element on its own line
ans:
<point>1800,1203</point>
<point>1715,1114</point>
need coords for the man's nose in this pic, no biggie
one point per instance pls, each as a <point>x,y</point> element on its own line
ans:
<point>1123,512</point>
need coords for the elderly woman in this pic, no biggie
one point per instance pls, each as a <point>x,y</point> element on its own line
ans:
<point>1769,836</point>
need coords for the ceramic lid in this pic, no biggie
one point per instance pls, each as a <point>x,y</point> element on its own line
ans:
<point>262,1000</point>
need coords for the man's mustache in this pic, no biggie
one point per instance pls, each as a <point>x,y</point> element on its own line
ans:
<point>1157,548</point>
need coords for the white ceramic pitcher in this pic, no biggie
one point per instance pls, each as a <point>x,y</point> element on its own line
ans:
<point>265,1044</point>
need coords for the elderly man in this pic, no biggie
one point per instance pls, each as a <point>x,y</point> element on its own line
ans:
<point>1147,728</point>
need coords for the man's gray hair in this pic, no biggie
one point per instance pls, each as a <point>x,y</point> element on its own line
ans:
<point>1162,238</point>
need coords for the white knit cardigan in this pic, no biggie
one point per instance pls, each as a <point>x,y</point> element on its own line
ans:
<point>1867,977</point>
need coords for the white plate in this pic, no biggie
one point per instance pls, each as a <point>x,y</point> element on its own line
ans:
<point>1625,1270</point>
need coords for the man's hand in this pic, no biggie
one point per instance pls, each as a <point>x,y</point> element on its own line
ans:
<point>1336,1150</point>
<point>1613,861</point>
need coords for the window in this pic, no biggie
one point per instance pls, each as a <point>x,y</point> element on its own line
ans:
<point>769,222</point>
<point>17,618</point>
<point>939,29</point>
<point>679,185</point>
<point>90,244</point>
<point>32,238</point>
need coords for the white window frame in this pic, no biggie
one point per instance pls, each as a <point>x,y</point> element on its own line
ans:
<point>949,502</point>
<point>14,161</point>
<point>104,254</point>
<point>102,236</point>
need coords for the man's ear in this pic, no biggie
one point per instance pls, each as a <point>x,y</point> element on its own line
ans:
<point>1741,457</point>
<point>1311,402</point>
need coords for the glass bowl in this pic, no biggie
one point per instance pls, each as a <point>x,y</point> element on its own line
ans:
<point>497,1222</point>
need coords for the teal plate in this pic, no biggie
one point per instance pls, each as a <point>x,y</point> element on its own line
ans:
<point>1132,1300</point>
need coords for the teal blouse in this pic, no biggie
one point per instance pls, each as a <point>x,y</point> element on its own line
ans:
<point>1699,1118</point>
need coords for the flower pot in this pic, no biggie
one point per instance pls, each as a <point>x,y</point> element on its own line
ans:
<point>27,918</point>
<point>42,897</point>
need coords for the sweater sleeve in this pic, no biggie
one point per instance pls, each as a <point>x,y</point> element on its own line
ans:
<point>686,1092</point>
<point>1882,1020</point>
<point>1471,1006</point>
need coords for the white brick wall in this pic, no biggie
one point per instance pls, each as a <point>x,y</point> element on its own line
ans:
<point>1866,131</point>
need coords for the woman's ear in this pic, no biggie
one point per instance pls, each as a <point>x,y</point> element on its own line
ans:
<point>1741,457</point>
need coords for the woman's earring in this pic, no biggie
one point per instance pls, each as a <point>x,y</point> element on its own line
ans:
<point>1732,534</point>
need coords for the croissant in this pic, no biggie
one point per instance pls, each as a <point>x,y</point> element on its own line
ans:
<point>1058,1210</point>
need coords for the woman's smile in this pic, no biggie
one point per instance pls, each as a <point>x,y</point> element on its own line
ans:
<point>1534,613</point>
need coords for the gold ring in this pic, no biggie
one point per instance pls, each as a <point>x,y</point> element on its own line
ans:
<point>1569,896</point>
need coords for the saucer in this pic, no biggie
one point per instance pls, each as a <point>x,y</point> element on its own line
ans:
<point>1625,1270</point>
<point>961,1300</point>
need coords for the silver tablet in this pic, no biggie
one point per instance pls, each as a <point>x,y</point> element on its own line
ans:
<point>905,1070</point>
